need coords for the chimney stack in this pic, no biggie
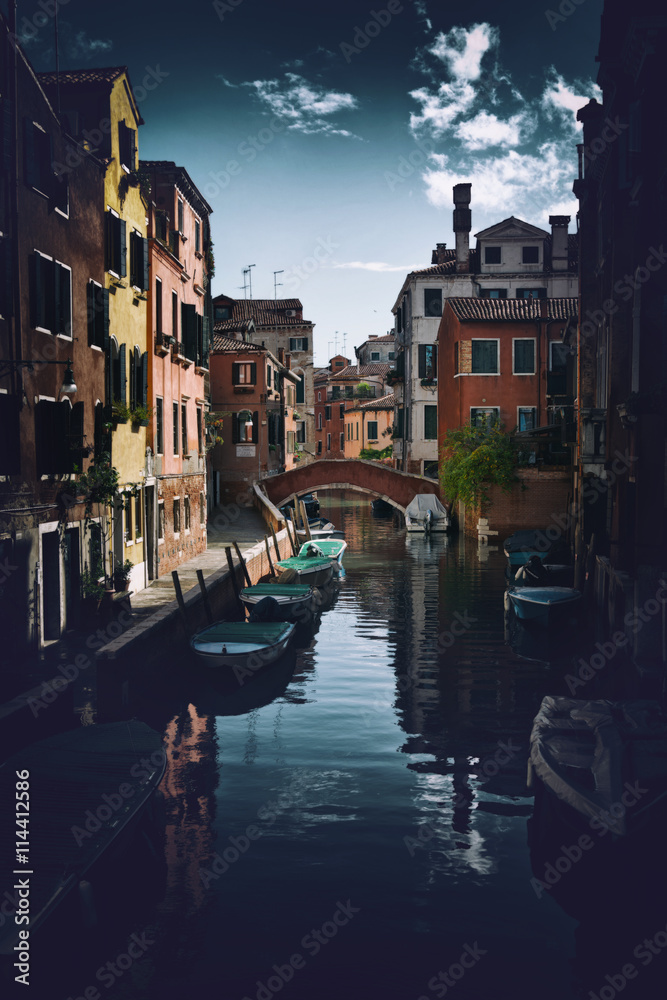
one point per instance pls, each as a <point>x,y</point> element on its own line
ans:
<point>559,241</point>
<point>462,226</point>
<point>281,355</point>
<point>438,256</point>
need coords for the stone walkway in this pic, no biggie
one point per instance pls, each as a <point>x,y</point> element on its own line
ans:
<point>247,527</point>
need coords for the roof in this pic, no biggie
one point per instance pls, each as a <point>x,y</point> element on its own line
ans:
<point>183,179</point>
<point>106,74</point>
<point>512,310</point>
<point>385,339</point>
<point>221,344</point>
<point>387,402</point>
<point>359,371</point>
<point>266,313</point>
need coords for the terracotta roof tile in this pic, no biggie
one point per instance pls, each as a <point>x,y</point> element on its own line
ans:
<point>266,313</point>
<point>106,74</point>
<point>511,309</point>
<point>223,344</point>
<point>384,403</point>
<point>358,371</point>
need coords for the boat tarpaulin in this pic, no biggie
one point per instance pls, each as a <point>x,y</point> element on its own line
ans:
<point>424,502</point>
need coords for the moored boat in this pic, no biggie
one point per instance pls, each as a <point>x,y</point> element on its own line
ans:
<point>241,644</point>
<point>332,548</point>
<point>425,513</point>
<point>591,757</point>
<point>290,598</point>
<point>78,817</point>
<point>520,546</point>
<point>315,568</point>
<point>543,605</point>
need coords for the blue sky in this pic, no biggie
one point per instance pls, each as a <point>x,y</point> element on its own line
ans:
<point>327,138</point>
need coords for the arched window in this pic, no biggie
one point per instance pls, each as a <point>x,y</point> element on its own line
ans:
<point>245,427</point>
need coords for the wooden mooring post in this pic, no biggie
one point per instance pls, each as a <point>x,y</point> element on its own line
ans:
<point>179,598</point>
<point>204,595</point>
<point>232,573</point>
<point>275,542</point>
<point>246,574</point>
<point>268,554</point>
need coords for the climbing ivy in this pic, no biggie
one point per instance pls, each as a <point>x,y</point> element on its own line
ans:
<point>474,458</point>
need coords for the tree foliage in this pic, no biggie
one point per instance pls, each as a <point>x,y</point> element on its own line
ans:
<point>474,458</point>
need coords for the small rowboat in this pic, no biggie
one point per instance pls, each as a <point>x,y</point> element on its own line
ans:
<point>290,598</point>
<point>315,569</point>
<point>425,513</point>
<point>543,605</point>
<point>241,644</point>
<point>332,548</point>
<point>520,546</point>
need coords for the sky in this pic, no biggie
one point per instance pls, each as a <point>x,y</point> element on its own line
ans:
<point>327,137</point>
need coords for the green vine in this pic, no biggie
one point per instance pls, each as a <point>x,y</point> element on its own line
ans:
<point>474,458</point>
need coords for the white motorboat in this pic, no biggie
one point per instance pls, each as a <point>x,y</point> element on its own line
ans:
<point>425,513</point>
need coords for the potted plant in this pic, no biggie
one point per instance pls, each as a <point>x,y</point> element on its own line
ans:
<point>121,576</point>
<point>142,415</point>
<point>120,412</point>
<point>92,592</point>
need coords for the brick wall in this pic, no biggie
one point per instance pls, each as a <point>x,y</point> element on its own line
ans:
<point>547,498</point>
<point>178,548</point>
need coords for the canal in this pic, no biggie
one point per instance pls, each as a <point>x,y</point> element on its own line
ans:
<point>353,822</point>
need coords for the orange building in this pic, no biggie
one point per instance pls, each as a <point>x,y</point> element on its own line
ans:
<point>369,426</point>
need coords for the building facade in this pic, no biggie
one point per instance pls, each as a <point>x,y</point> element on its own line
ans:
<point>377,350</point>
<point>102,114</point>
<point>512,260</point>
<point>179,313</point>
<point>278,325</point>
<point>368,426</point>
<point>338,388</point>
<point>51,266</point>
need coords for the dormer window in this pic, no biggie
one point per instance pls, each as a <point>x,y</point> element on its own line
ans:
<point>221,312</point>
<point>531,255</point>
<point>492,255</point>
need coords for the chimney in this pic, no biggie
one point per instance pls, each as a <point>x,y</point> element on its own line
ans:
<point>438,255</point>
<point>559,239</point>
<point>288,361</point>
<point>372,336</point>
<point>462,226</point>
<point>281,355</point>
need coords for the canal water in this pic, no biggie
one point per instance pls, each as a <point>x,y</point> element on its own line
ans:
<point>353,822</point>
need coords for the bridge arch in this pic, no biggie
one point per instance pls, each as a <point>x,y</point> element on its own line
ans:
<point>371,478</point>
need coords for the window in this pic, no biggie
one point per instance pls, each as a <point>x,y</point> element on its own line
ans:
<point>58,435</point>
<point>493,293</point>
<point>38,157</point>
<point>160,520</point>
<point>339,364</point>
<point>221,312</point>
<point>328,442</point>
<point>138,261</point>
<point>138,521</point>
<point>115,244</point>
<point>268,377</point>
<point>51,295</point>
<point>98,315</point>
<point>327,413</point>
<point>428,360</point>
<point>174,315</point>
<point>433,302</point>
<point>301,431</point>
<point>177,515</point>
<point>245,430</point>
<point>118,371</point>
<point>485,357</point>
<point>526,418</point>
<point>174,412</point>
<point>244,373</point>
<point>161,229</point>
<point>128,517</point>
<point>341,411</point>
<point>531,293</point>
<point>430,423</point>
<point>200,431</point>
<point>159,426</point>
<point>180,216</point>
<point>184,429</point>
<point>158,306</point>
<point>524,357</point>
<point>319,397</point>
<point>197,235</point>
<point>431,470</point>
<point>186,513</point>
<point>372,430</point>
<point>530,255</point>
<point>492,255</point>
<point>319,447</point>
<point>375,355</point>
<point>301,390</point>
<point>127,146</point>
<point>484,416</point>
<point>319,421</point>
<point>357,430</point>
<point>558,355</point>
<point>298,343</point>
<point>202,509</point>
<point>391,355</point>
<point>289,442</point>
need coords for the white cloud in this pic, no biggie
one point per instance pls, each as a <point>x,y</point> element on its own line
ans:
<point>227,82</point>
<point>305,107</point>
<point>375,265</point>
<point>485,130</point>
<point>462,50</point>
<point>563,100</point>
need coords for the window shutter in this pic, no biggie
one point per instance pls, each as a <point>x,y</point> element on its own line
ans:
<point>91,306</point>
<point>98,436</point>
<point>30,161</point>
<point>76,437</point>
<point>60,192</point>
<point>235,373</point>
<point>145,265</point>
<point>109,232</point>
<point>6,115</point>
<point>122,396</point>
<point>235,429</point>
<point>430,423</point>
<point>62,443</point>
<point>253,373</point>
<point>255,427</point>
<point>104,312</point>
<point>132,148</point>
<point>206,339</point>
<point>122,247</point>
<point>10,455</point>
<point>422,360</point>
<point>133,382</point>
<point>200,338</point>
<point>189,330</point>
<point>6,278</point>
<point>63,297</point>
<point>144,379</point>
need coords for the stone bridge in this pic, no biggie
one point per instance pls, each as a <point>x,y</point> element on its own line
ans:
<point>397,488</point>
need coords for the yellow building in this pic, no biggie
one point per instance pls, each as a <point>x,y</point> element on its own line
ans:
<point>101,113</point>
<point>369,426</point>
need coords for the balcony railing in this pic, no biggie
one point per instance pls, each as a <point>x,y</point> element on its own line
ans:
<point>340,393</point>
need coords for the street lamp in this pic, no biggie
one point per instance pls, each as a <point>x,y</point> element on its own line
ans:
<point>69,385</point>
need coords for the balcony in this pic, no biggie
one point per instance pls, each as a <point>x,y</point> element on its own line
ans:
<point>162,344</point>
<point>340,393</point>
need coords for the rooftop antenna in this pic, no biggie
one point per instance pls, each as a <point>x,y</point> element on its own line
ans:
<point>244,286</point>
<point>250,277</point>
<point>344,344</point>
<point>276,285</point>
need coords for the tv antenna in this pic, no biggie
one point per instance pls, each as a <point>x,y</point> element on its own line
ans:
<point>276,284</point>
<point>247,280</point>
